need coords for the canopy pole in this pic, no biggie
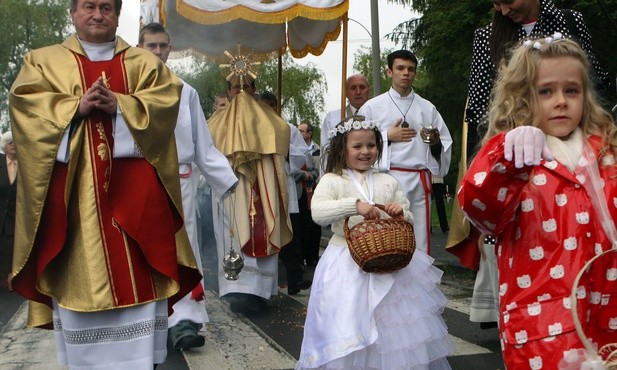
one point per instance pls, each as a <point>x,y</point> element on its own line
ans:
<point>375,49</point>
<point>344,67</point>
<point>279,81</point>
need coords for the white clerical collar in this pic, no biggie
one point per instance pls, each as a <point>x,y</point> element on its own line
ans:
<point>98,51</point>
<point>396,94</point>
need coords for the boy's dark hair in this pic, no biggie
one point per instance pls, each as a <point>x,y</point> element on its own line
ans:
<point>269,99</point>
<point>153,27</point>
<point>401,54</point>
<point>268,96</point>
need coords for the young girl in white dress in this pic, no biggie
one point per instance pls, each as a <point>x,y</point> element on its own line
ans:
<point>360,320</point>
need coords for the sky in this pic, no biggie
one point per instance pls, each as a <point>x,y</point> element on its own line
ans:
<point>390,15</point>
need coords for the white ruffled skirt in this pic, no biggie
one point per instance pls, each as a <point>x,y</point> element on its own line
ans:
<point>357,320</point>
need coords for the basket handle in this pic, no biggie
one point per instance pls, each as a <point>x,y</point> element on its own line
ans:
<point>378,205</point>
<point>383,208</point>
<point>577,322</point>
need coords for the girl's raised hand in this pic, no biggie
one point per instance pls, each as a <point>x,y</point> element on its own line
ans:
<point>528,145</point>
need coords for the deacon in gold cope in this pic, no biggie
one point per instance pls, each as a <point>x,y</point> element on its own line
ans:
<point>256,142</point>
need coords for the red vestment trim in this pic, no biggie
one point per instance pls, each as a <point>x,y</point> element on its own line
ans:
<point>428,189</point>
<point>257,244</point>
<point>260,244</point>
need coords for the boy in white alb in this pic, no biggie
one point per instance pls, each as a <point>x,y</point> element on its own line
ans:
<point>401,115</point>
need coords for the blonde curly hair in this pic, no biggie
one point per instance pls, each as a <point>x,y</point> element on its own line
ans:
<point>515,102</point>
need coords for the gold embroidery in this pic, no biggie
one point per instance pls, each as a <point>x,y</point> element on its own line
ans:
<point>105,79</point>
<point>103,152</point>
<point>102,149</point>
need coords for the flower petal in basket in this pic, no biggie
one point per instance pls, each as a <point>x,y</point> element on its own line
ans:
<point>381,245</point>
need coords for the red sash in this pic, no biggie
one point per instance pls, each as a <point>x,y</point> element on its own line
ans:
<point>260,243</point>
<point>425,177</point>
<point>257,245</point>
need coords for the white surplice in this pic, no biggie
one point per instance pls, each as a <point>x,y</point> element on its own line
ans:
<point>196,153</point>
<point>415,155</point>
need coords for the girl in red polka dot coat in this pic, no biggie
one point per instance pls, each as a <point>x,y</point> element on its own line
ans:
<point>544,184</point>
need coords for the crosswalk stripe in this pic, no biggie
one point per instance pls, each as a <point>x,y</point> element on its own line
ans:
<point>458,299</point>
<point>233,342</point>
<point>24,348</point>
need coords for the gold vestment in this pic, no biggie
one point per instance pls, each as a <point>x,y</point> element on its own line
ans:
<point>43,101</point>
<point>256,142</point>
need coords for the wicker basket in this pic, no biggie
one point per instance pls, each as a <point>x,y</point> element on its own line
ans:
<point>382,245</point>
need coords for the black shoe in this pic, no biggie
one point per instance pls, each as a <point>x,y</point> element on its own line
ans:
<point>185,334</point>
<point>303,285</point>
<point>488,325</point>
<point>190,341</point>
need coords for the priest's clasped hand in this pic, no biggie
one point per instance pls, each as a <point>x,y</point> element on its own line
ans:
<point>527,144</point>
<point>98,96</point>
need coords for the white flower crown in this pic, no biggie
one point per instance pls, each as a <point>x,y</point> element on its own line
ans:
<point>536,45</point>
<point>352,125</point>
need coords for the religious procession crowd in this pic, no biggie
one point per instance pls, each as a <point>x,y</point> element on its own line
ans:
<point>101,230</point>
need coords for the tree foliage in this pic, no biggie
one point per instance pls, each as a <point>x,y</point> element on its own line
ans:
<point>302,87</point>
<point>27,25</point>
<point>207,78</point>
<point>302,93</point>
<point>363,63</point>
<point>601,19</point>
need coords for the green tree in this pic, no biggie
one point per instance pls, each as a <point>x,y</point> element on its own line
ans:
<point>302,87</point>
<point>601,19</point>
<point>207,78</point>
<point>27,25</point>
<point>363,63</point>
